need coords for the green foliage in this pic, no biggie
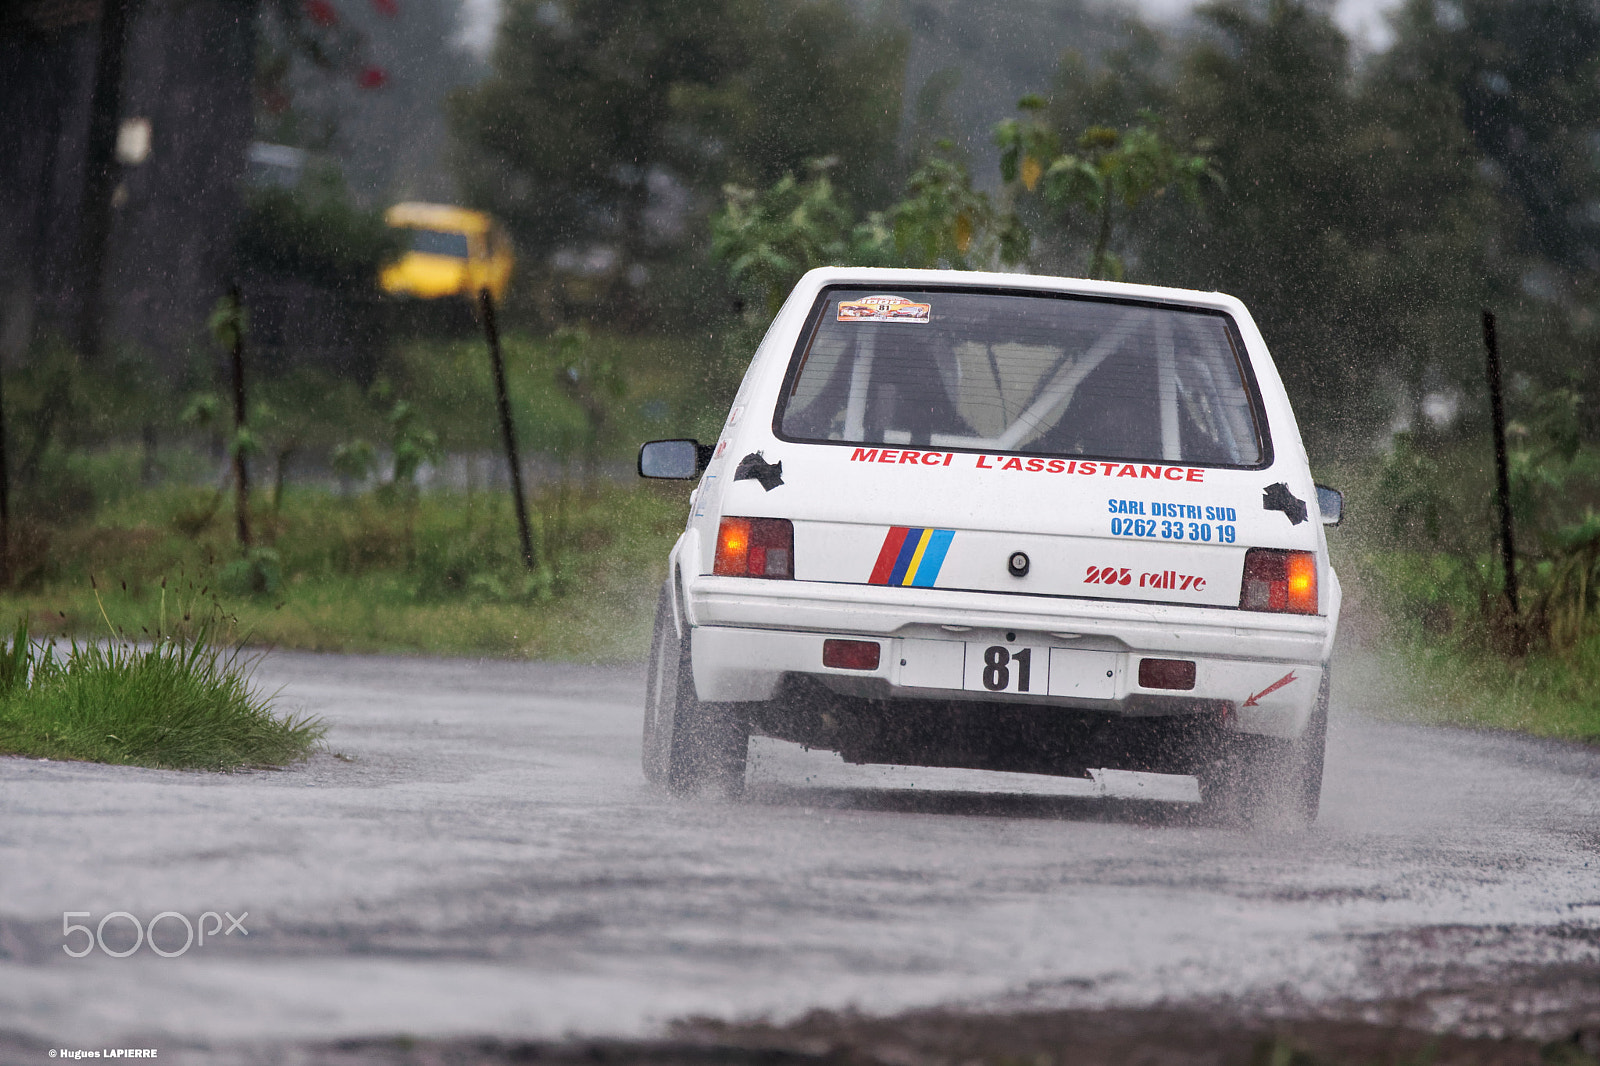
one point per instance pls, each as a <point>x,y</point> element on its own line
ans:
<point>941,221</point>
<point>1430,530</point>
<point>354,460</point>
<point>228,323</point>
<point>412,443</point>
<point>260,573</point>
<point>766,240</point>
<point>1110,168</point>
<point>180,701</point>
<point>1360,221</point>
<point>1526,79</point>
<point>594,381</point>
<point>315,233</point>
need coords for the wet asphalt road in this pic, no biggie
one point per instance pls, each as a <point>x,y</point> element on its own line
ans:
<point>489,861</point>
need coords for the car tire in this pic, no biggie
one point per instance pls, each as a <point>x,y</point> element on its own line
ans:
<point>1265,782</point>
<point>690,745</point>
<point>662,670</point>
<point>1312,749</point>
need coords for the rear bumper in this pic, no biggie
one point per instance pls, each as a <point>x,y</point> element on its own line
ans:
<point>749,634</point>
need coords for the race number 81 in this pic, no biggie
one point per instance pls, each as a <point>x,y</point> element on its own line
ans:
<point>998,663</point>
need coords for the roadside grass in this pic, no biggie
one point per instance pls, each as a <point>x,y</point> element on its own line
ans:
<point>1546,693</point>
<point>665,387</point>
<point>437,574</point>
<point>181,701</point>
<point>1431,620</point>
<point>133,494</point>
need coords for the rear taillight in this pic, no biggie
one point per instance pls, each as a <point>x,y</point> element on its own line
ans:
<point>1279,581</point>
<point>755,547</point>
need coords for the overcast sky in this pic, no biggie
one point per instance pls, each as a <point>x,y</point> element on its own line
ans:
<point>1361,19</point>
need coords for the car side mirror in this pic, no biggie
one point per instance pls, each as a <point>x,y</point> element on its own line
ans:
<point>1331,503</point>
<point>674,460</point>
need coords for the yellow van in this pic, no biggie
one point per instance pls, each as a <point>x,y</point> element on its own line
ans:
<point>450,251</point>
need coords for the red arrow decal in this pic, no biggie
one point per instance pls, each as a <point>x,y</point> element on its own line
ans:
<point>1275,686</point>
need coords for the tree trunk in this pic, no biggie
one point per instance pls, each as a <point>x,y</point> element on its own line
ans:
<point>100,175</point>
<point>1097,264</point>
<point>241,468</point>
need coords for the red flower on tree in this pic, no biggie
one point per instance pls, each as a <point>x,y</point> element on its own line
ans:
<point>321,13</point>
<point>372,78</point>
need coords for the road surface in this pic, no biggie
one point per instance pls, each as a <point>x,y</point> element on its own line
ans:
<point>476,853</point>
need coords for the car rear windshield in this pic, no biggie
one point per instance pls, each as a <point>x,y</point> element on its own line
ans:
<point>439,242</point>
<point>1019,373</point>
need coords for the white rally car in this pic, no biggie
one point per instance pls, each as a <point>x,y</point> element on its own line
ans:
<point>1002,522</point>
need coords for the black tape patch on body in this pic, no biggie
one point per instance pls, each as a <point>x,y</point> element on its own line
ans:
<point>1278,498</point>
<point>754,467</point>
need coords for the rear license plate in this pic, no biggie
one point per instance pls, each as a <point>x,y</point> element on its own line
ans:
<point>1017,669</point>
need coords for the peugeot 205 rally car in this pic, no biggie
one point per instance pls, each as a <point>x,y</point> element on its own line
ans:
<point>1002,522</point>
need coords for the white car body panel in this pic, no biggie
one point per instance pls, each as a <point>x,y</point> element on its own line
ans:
<point>1076,520</point>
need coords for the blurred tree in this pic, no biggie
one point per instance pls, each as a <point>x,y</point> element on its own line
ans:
<point>608,120</point>
<point>1506,97</point>
<point>595,384</point>
<point>1110,168</point>
<point>1525,75</point>
<point>1353,222</point>
<point>364,82</point>
<point>1120,84</point>
<point>942,221</point>
<point>766,240</point>
<point>315,233</point>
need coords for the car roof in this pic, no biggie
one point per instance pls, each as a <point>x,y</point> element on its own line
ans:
<point>871,276</point>
<point>437,216</point>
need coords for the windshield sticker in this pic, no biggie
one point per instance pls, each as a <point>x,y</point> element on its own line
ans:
<point>911,556</point>
<point>884,309</point>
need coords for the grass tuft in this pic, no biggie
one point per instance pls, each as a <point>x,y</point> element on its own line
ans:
<point>181,701</point>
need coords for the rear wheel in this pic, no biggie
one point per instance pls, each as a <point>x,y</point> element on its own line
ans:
<point>1263,781</point>
<point>690,745</point>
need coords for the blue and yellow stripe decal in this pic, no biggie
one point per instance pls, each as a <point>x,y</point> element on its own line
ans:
<point>911,556</point>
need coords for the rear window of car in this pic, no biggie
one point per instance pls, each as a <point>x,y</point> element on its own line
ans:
<point>1047,375</point>
<point>439,242</point>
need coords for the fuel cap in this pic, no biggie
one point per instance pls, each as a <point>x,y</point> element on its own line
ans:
<point>1017,564</point>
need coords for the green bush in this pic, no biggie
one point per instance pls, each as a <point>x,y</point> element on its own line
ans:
<point>315,233</point>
